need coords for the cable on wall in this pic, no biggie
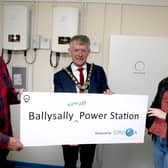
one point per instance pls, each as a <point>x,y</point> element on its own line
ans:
<point>9,55</point>
<point>57,59</point>
<point>34,57</point>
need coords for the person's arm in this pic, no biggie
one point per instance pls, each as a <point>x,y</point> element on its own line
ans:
<point>102,80</point>
<point>108,91</point>
<point>13,96</point>
<point>155,112</point>
<point>4,140</point>
<point>10,143</point>
<point>14,144</point>
<point>57,84</point>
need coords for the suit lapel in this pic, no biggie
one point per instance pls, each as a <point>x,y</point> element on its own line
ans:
<point>88,67</point>
<point>91,81</point>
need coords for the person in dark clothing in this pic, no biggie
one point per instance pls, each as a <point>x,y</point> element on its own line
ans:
<point>157,125</point>
<point>8,95</point>
<point>83,77</point>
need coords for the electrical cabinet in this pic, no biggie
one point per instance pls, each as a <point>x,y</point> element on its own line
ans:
<point>16,25</point>
<point>65,25</point>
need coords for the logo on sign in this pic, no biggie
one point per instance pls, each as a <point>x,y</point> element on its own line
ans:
<point>128,132</point>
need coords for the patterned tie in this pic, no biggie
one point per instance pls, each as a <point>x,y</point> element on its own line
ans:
<point>81,78</point>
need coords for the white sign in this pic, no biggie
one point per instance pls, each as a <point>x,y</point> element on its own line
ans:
<point>74,118</point>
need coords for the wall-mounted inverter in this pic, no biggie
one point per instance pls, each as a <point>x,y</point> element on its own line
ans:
<point>65,25</point>
<point>16,21</point>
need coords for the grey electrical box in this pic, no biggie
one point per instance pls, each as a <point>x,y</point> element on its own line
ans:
<point>19,77</point>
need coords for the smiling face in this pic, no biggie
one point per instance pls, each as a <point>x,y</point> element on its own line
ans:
<point>79,50</point>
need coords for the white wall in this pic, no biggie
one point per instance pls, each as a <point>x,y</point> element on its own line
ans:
<point>99,21</point>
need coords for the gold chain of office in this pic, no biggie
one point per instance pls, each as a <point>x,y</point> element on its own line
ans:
<point>77,83</point>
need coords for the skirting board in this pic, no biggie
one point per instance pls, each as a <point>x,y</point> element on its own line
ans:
<point>32,165</point>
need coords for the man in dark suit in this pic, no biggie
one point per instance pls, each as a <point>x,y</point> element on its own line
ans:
<point>83,77</point>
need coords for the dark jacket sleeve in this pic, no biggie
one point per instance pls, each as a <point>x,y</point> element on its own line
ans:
<point>98,82</point>
<point>57,83</point>
<point>12,96</point>
<point>103,80</point>
<point>4,140</point>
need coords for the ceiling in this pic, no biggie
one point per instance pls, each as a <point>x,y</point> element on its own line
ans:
<point>138,2</point>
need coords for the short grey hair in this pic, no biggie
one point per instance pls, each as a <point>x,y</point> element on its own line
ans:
<point>81,39</point>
